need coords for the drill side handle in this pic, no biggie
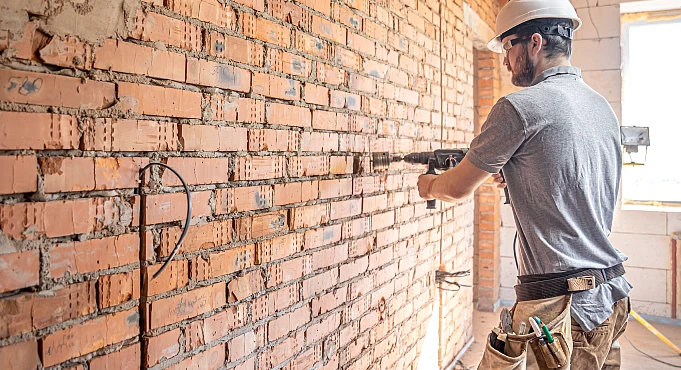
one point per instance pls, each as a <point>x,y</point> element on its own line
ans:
<point>508,198</point>
<point>430,204</point>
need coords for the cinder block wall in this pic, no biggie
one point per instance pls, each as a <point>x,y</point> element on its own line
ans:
<point>299,254</point>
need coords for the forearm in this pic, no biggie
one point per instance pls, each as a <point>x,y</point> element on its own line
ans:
<point>458,183</point>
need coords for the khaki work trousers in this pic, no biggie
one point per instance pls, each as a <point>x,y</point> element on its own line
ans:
<point>599,349</point>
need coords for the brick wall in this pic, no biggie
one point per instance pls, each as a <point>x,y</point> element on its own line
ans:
<point>299,255</point>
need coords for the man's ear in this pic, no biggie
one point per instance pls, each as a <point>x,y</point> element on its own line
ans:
<point>536,44</point>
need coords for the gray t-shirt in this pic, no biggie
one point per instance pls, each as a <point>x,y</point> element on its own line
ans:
<point>558,142</point>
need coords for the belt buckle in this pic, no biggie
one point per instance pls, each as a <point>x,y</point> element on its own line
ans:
<point>581,283</point>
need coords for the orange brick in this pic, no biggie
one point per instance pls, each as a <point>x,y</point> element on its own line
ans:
<point>361,5</point>
<point>276,87</point>
<point>347,208</point>
<point>309,216</point>
<point>244,199</point>
<point>232,260</point>
<point>117,172</point>
<point>259,168</point>
<point>210,359</point>
<point>295,192</point>
<point>241,346</point>
<point>315,94</point>
<point>316,285</point>
<point>341,99</point>
<point>323,328</point>
<point>223,323</point>
<point>186,305</point>
<point>276,355</point>
<point>31,220</point>
<point>287,271</point>
<point>321,6</point>
<point>308,166</point>
<point>21,270</point>
<point>19,130</point>
<point>63,174</point>
<point>272,140</point>
<point>245,286</point>
<point>375,30</point>
<point>329,120</point>
<point>311,45</point>
<point>161,208</point>
<point>89,336</point>
<point>67,52</point>
<point>175,276</point>
<point>408,96</point>
<point>347,58</point>
<point>20,356</point>
<point>46,89</point>
<point>197,171</point>
<point>288,115</point>
<point>20,174</point>
<point>346,16</point>
<point>258,5</point>
<point>329,301</point>
<point>266,30</point>
<point>234,48</point>
<point>319,142</point>
<point>361,44</point>
<point>328,30</point>
<point>335,188</point>
<point>166,345</point>
<point>278,248</point>
<point>118,288</point>
<point>160,28</point>
<point>285,324</point>
<point>127,57</point>
<point>129,135</point>
<point>289,12</point>
<point>329,256</point>
<point>159,101</point>
<point>212,138</point>
<point>261,225</point>
<point>281,61</point>
<point>330,74</point>
<point>208,73</point>
<point>210,11</point>
<point>75,258</point>
<point>210,235</point>
<point>354,143</point>
<point>124,359</point>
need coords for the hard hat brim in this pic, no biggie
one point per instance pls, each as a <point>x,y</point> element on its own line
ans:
<point>495,44</point>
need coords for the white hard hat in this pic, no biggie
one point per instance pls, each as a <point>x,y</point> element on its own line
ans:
<point>516,12</point>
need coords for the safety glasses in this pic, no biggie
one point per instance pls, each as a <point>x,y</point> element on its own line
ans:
<point>511,43</point>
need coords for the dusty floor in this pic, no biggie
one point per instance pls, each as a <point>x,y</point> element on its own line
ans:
<point>632,360</point>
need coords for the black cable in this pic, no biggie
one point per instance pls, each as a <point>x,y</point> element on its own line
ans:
<point>649,356</point>
<point>186,224</point>
<point>515,255</point>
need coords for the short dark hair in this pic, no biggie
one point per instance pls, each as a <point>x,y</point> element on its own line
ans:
<point>556,45</point>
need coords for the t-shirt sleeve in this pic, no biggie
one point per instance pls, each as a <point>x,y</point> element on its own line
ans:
<point>502,134</point>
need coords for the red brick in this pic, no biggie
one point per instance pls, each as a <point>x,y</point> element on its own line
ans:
<point>67,52</point>
<point>354,143</point>
<point>335,188</point>
<point>197,171</point>
<point>76,258</point>
<point>212,74</point>
<point>288,115</point>
<point>278,248</point>
<point>175,276</point>
<point>258,5</point>
<point>46,89</point>
<point>329,120</point>
<point>244,199</point>
<point>241,346</point>
<point>281,61</point>
<point>234,48</point>
<point>354,268</point>
<point>319,142</point>
<point>127,57</point>
<point>67,174</point>
<point>328,30</point>
<point>375,203</point>
<point>330,74</point>
<point>291,13</point>
<point>127,135</point>
<point>346,16</point>
<point>261,225</point>
<point>89,336</point>
<point>20,174</point>
<point>245,286</point>
<point>231,108</point>
<point>285,324</point>
<point>159,101</point>
<point>323,328</point>
<point>281,352</point>
<point>124,359</point>
<point>322,236</point>
<point>361,5</point>
<point>212,138</point>
<point>329,301</point>
<point>276,87</point>
<point>31,220</point>
<point>186,305</point>
<point>321,6</point>
<point>161,208</point>
<point>210,11</point>
<point>408,96</point>
<point>272,140</point>
<point>118,288</point>
<point>346,208</point>
<point>295,192</point>
<point>347,58</point>
<point>210,359</point>
<point>361,44</point>
<point>63,304</point>
<point>341,99</point>
<point>361,83</point>
<point>375,69</point>
<point>341,165</point>
<point>266,30</point>
<point>163,346</point>
<point>284,272</point>
<point>311,45</point>
<point>232,260</point>
<point>382,15</point>
<point>193,335</point>
<point>19,130</point>
<point>276,301</point>
<point>316,285</point>
<point>315,94</point>
<point>117,173</point>
<point>308,166</point>
<point>374,30</point>
<point>329,256</point>
<point>309,216</point>
<point>259,168</point>
<point>20,356</point>
<point>224,322</point>
<point>210,235</point>
<point>160,28</point>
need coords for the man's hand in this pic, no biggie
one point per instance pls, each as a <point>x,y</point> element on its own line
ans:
<point>497,179</point>
<point>425,184</point>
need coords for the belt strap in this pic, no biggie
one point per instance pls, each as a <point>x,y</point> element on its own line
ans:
<point>543,286</point>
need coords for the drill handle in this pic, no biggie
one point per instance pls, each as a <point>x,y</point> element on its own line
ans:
<point>430,204</point>
<point>508,199</point>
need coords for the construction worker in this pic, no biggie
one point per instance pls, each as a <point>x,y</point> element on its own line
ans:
<point>558,142</point>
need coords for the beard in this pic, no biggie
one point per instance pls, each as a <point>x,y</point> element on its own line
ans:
<point>523,74</point>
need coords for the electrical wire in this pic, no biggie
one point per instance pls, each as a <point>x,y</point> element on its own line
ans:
<point>186,223</point>
<point>649,356</point>
<point>442,276</point>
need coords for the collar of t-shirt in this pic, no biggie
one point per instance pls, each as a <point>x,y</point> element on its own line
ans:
<point>554,71</point>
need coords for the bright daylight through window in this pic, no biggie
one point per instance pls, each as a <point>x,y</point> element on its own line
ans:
<point>651,83</point>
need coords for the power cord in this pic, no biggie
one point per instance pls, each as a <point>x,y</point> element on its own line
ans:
<point>186,223</point>
<point>649,356</point>
<point>442,277</point>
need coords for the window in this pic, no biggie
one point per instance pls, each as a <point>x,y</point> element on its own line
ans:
<point>652,98</point>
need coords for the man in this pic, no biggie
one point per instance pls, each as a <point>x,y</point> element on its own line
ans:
<point>559,145</point>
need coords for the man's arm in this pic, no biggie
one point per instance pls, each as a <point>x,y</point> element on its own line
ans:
<point>454,184</point>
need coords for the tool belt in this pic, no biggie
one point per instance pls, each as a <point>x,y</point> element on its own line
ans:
<point>543,286</point>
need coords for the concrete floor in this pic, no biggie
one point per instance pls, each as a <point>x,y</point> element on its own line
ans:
<point>631,359</point>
